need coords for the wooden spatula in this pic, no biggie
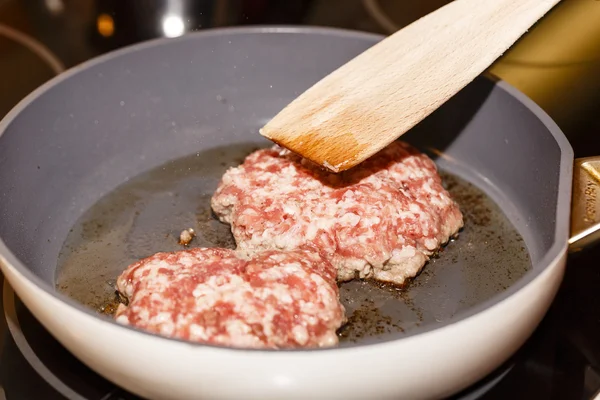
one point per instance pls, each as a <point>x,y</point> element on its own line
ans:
<point>379,95</point>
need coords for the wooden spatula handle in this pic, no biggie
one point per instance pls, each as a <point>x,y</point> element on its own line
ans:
<point>376,97</point>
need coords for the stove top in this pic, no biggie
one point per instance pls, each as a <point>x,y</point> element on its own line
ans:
<point>40,38</point>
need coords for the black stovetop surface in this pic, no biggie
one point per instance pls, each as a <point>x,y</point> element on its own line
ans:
<point>560,361</point>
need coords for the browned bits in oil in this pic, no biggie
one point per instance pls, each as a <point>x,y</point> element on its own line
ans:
<point>186,236</point>
<point>473,202</point>
<point>366,311</point>
<point>371,321</point>
<point>110,307</point>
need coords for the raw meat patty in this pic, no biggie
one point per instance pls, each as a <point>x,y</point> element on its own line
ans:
<point>274,300</point>
<point>381,220</point>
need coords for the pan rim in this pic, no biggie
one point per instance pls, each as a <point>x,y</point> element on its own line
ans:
<point>556,251</point>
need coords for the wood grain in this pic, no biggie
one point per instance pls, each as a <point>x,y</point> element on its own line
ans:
<point>376,97</point>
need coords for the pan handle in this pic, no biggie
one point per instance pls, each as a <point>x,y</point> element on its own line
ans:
<point>585,206</point>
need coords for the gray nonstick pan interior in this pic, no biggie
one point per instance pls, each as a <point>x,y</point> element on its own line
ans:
<point>110,164</point>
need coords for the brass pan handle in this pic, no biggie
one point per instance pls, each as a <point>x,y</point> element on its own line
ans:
<point>585,203</point>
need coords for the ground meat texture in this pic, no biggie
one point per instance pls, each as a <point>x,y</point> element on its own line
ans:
<point>382,219</point>
<point>274,300</point>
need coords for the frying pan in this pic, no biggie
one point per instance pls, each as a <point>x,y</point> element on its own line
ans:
<point>96,133</point>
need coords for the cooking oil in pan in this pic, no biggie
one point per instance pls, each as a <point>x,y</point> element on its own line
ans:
<point>147,214</point>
